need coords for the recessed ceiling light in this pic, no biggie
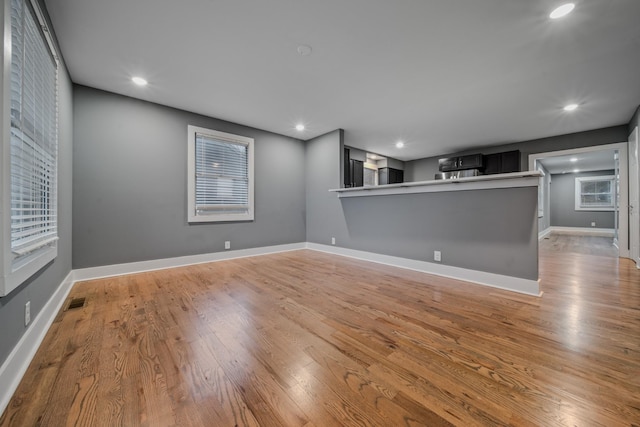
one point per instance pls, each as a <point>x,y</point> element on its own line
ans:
<point>576,170</point>
<point>573,159</point>
<point>139,81</point>
<point>561,11</point>
<point>300,127</point>
<point>399,144</point>
<point>570,107</point>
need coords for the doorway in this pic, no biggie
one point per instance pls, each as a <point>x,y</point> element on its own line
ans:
<point>603,195</point>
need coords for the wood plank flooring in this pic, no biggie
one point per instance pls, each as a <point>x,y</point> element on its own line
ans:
<point>565,242</point>
<point>305,338</point>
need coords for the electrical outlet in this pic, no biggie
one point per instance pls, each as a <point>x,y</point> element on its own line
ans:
<point>27,313</point>
<point>227,244</point>
<point>593,224</point>
<point>437,256</point>
<point>333,240</point>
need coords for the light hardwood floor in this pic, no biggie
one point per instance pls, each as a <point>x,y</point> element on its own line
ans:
<point>310,339</point>
<point>578,243</point>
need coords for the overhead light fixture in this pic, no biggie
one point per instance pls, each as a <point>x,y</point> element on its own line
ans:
<point>570,107</point>
<point>139,81</point>
<point>573,159</point>
<point>399,144</point>
<point>300,127</point>
<point>576,170</point>
<point>561,11</point>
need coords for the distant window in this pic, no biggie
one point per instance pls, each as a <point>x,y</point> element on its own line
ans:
<point>31,143</point>
<point>595,193</point>
<point>220,167</point>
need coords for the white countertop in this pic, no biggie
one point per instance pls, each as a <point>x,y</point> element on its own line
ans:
<point>481,182</point>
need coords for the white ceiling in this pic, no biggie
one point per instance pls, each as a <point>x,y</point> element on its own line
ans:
<point>442,75</point>
<point>584,162</point>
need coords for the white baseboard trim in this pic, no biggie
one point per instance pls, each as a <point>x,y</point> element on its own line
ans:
<point>515,284</point>
<point>544,233</point>
<point>161,264</point>
<point>13,369</point>
<point>604,232</point>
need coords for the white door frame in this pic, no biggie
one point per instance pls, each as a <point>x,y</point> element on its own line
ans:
<point>634,190</point>
<point>622,147</point>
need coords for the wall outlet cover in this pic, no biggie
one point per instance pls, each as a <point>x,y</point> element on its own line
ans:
<point>437,256</point>
<point>227,244</point>
<point>593,224</point>
<point>333,240</point>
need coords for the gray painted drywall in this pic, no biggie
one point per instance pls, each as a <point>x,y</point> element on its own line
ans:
<point>357,154</point>
<point>635,121</point>
<point>544,222</point>
<point>425,169</point>
<point>390,162</point>
<point>488,230</point>
<point>563,213</point>
<point>130,184</point>
<point>325,218</point>
<point>40,287</point>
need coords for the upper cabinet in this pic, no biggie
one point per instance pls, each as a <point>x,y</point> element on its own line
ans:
<point>506,162</point>
<point>474,161</point>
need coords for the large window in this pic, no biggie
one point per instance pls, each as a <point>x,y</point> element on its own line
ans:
<point>220,167</point>
<point>29,177</point>
<point>595,193</point>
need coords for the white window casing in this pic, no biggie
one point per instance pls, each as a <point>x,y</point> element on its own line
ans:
<point>29,147</point>
<point>595,193</point>
<point>220,176</point>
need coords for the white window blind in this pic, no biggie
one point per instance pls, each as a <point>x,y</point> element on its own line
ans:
<point>222,187</point>
<point>34,129</point>
<point>222,175</point>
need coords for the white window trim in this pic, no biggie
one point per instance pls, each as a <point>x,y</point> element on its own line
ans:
<point>13,274</point>
<point>192,215</point>
<point>578,187</point>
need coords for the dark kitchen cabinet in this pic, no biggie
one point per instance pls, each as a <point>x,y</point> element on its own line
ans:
<point>356,169</point>
<point>510,161</point>
<point>448,164</point>
<point>346,168</point>
<point>473,161</point>
<point>390,176</point>
<point>506,162</point>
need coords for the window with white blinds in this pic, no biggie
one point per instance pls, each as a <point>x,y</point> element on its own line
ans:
<point>33,139</point>
<point>220,176</point>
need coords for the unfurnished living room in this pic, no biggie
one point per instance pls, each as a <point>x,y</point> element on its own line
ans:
<point>320,213</point>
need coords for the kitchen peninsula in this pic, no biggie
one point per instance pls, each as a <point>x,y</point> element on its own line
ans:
<point>480,229</point>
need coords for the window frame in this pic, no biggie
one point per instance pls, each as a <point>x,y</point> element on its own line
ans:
<point>193,216</point>
<point>15,269</point>
<point>578,193</point>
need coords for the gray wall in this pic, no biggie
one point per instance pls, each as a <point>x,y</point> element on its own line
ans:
<point>486,230</point>
<point>635,121</point>
<point>563,213</point>
<point>130,184</point>
<point>39,288</point>
<point>425,169</point>
<point>325,218</point>
<point>544,222</point>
